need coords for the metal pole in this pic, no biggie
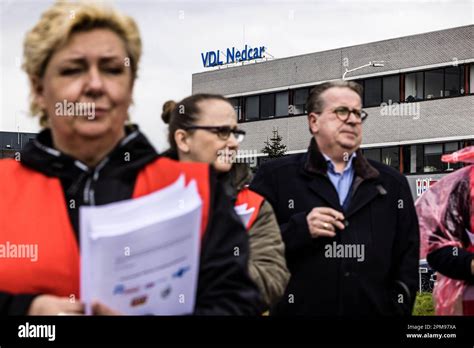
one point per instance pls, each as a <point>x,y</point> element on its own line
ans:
<point>419,277</point>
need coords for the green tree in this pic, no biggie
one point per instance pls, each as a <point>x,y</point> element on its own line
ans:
<point>274,148</point>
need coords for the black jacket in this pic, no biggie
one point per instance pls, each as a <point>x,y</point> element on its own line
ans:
<point>380,216</point>
<point>224,286</point>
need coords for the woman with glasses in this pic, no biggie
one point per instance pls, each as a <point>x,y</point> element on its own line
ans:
<point>203,128</point>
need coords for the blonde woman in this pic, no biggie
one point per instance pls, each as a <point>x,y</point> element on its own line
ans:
<point>91,59</point>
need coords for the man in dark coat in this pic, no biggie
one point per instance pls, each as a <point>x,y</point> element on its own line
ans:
<point>348,223</point>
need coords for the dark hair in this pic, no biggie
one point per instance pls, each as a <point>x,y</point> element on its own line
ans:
<point>316,104</point>
<point>184,114</point>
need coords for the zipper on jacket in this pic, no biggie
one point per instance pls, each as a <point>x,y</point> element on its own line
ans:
<point>89,192</point>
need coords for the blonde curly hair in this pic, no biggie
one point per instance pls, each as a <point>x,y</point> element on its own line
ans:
<point>55,28</point>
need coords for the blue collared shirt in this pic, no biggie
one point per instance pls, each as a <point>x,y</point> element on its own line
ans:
<point>341,181</point>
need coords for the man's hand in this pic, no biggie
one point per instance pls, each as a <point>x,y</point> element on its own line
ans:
<point>54,305</point>
<point>323,221</point>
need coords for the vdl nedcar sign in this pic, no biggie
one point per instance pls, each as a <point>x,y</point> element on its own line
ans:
<point>213,58</point>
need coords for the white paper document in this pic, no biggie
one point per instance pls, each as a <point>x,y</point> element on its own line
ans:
<point>244,213</point>
<point>141,256</point>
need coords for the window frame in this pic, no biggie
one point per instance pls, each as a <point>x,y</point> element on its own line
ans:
<point>287,91</point>
<point>383,92</point>
<point>365,92</point>
<point>260,113</point>
<point>244,118</point>
<point>292,100</point>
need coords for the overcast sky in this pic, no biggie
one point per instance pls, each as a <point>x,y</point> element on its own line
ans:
<point>175,33</point>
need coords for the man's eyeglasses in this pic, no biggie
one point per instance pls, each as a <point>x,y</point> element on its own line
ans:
<point>223,132</point>
<point>343,113</point>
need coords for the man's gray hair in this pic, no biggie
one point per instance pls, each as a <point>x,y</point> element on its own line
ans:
<point>316,104</point>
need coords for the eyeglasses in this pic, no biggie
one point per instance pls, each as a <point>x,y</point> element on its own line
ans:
<point>223,132</point>
<point>343,113</point>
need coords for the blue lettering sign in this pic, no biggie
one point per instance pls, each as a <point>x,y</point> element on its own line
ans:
<point>213,58</point>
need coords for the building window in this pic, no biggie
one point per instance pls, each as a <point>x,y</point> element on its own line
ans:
<point>419,158</point>
<point>414,87</point>
<point>237,107</point>
<point>299,101</point>
<point>434,84</point>
<point>454,81</point>
<point>391,88</point>
<point>390,157</point>
<point>467,143</point>
<point>373,92</point>
<point>387,155</point>
<point>450,148</point>
<point>252,108</point>
<point>432,158</point>
<point>267,105</point>
<point>408,168</point>
<point>281,108</point>
<point>412,159</point>
<point>373,154</point>
<point>471,79</point>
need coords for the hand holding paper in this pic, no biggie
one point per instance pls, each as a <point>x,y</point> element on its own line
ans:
<point>141,256</point>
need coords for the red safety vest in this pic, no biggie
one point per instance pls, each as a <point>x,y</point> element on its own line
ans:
<point>33,214</point>
<point>253,200</point>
